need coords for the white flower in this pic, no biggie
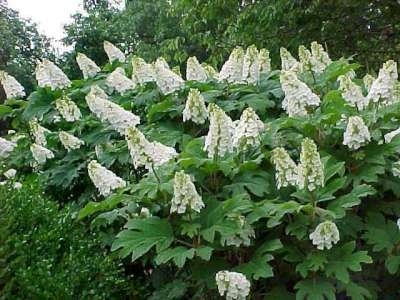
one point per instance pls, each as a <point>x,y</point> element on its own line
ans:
<point>113,52</point>
<point>243,237</point>
<point>289,63</point>
<point>218,141</point>
<point>319,58</point>
<point>88,67</point>
<point>48,74</point>
<point>248,130</point>
<point>311,169</point>
<point>396,169</point>
<point>11,86</point>
<point>265,61</point>
<point>305,59</point>
<point>398,223</point>
<point>368,80</point>
<point>195,109</point>
<point>110,112</point>
<point>194,71</point>
<point>17,185</point>
<point>185,194</point>
<point>144,153</point>
<point>118,81</point>
<point>6,147</point>
<point>232,70</point>
<point>68,109</point>
<point>69,141</point>
<point>298,96</point>
<point>383,87</point>
<point>234,285</point>
<point>356,134</point>
<point>9,174</point>
<point>352,93</point>
<point>325,235</point>
<point>210,71</point>
<point>162,62</point>
<point>142,72</point>
<point>167,81</point>
<point>38,132</point>
<point>390,135</point>
<point>103,179</point>
<point>144,212</point>
<point>251,65</point>
<point>40,153</point>
<point>286,169</point>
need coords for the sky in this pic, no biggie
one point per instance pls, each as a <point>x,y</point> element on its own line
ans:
<point>50,15</point>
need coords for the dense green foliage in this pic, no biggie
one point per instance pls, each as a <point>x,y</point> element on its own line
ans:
<point>46,254</point>
<point>178,254</point>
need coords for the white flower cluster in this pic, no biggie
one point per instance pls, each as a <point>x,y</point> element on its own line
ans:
<point>390,135</point>
<point>38,132</point>
<point>319,59</point>
<point>232,69</point>
<point>298,96</point>
<point>398,223</point>
<point>243,237</point>
<point>68,109</point>
<point>6,147</point>
<point>396,169</point>
<point>11,86</point>
<point>218,141</point>
<point>118,81</point>
<point>305,59</point>
<point>352,93</point>
<point>167,81</point>
<point>248,130</point>
<point>185,194</point>
<point>265,61</point>
<point>382,88</point>
<point>195,108</point>
<point>251,65</point>
<point>142,72</point>
<point>87,66</point>
<point>107,111</point>
<point>210,71</point>
<point>194,71</point>
<point>368,80</point>
<point>147,154</point>
<point>40,153</point>
<point>325,235</point>
<point>48,74</point>
<point>69,141</point>
<point>286,169</point>
<point>288,62</point>
<point>234,285</point>
<point>310,169</point>
<point>104,180</point>
<point>113,52</point>
<point>10,173</point>
<point>356,134</point>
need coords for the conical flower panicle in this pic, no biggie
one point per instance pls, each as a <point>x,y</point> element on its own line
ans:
<point>311,169</point>
<point>195,108</point>
<point>167,81</point>
<point>286,169</point>
<point>87,66</point>
<point>119,82</point>
<point>265,61</point>
<point>6,147</point>
<point>38,132</point>
<point>210,71</point>
<point>233,285</point>
<point>305,58</point>
<point>48,74</point>
<point>319,58</point>
<point>324,235</point>
<point>356,134</point>
<point>352,93</point>
<point>68,109</point>
<point>142,72</point>
<point>110,112</point>
<point>289,63</point>
<point>194,70</point>
<point>69,141</point>
<point>368,80</point>
<point>232,70</point>
<point>251,65</point>
<point>218,141</point>
<point>248,130</point>
<point>11,86</point>
<point>161,154</point>
<point>383,87</point>
<point>113,52</point>
<point>40,153</point>
<point>185,194</point>
<point>298,96</point>
<point>103,179</point>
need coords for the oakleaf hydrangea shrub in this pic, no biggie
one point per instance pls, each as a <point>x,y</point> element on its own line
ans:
<point>244,183</point>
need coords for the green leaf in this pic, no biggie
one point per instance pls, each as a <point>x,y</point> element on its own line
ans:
<point>177,254</point>
<point>314,261</point>
<point>256,182</point>
<point>357,292</point>
<point>204,252</point>
<point>107,204</point>
<point>392,264</point>
<point>341,259</point>
<point>315,289</point>
<point>4,110</point>
<point>142,235</point>
<point>39,103</point>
